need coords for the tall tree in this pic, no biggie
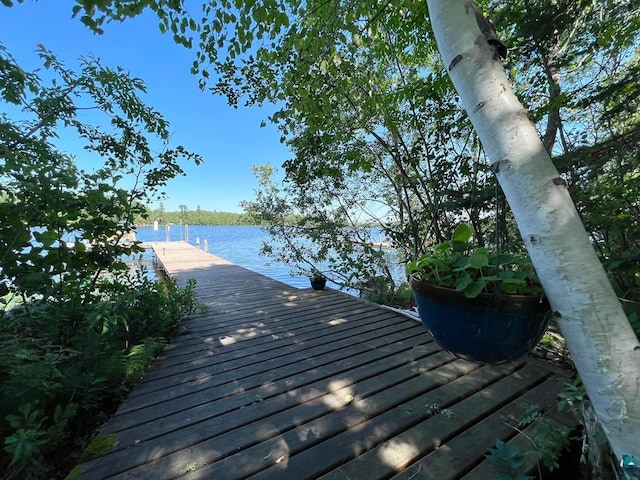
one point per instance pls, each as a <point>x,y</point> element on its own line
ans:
<point>602,343</point>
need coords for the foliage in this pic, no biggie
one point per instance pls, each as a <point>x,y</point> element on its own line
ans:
<point>31,437</point>
<point>51,209</point>
<point>359,82</point>
<point>380,291</point>
<point>196,217</point>
<point>371,134</point>
<point>78,365</point>
<point>547,443</point>
<point>375,99</point>
<point>632,309</point>
<point>509,459</point>
<point>576,68</point>
<point>456,264</point>
<point>547,440</point>
<point>309,233</point>
<point>595,451</point>
<point>354,80</point>
<point>367,148</point>
<point>316,274</point>
<point>345,104</point>
<point>77,328</point>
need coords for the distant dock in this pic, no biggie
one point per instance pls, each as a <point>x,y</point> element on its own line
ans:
<point>274,382</point>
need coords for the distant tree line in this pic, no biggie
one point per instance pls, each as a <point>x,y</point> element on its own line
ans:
<point>197,217</point>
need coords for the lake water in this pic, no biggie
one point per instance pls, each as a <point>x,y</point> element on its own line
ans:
<point>238,244</point>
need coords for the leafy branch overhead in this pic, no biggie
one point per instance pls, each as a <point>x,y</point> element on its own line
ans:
<point>362,96</point>
<point>43,188</point>
<point>358,82</point>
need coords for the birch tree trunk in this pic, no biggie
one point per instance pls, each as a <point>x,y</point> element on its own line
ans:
<point>602,343</point>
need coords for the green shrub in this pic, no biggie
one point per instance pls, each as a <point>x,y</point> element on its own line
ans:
<point>78,365</point>
<point>401,297</point>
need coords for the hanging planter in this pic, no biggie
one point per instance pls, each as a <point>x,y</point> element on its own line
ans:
<point>488,328</point>
<point>478,306</point>
<point>318,283</point>
<point>317,279</point>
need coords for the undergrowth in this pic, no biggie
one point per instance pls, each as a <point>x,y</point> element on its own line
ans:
<point>65,366</point>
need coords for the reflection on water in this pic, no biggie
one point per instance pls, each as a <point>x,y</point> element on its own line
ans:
<point>147,261</point>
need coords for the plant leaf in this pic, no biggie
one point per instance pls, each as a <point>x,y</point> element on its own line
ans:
<point>462,233</point>
<point>478,260</point>
<point>463,282</point>
<point>475,288</point>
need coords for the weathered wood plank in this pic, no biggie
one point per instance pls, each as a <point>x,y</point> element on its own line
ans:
<point>257,441</point>
<point>462,453</point>
<point>235,384</point>
<point>272,382</point>
<point>215,372</point>
<point>392,422</point>
<point>276,342</point>
<point>308,384</point>
<point>440,428</point>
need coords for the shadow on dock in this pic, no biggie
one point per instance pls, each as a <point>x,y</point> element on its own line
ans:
<point>272,382</point>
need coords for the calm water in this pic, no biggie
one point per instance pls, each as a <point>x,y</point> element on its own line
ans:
<point>240,245</point>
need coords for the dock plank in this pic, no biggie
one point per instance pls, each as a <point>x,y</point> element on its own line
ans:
<point>274,382</point>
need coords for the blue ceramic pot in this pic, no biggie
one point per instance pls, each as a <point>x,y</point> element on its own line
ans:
<point>318,283</point>
<point>488,328</point>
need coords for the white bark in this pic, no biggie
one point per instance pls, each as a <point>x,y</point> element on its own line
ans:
<point>602,343</point>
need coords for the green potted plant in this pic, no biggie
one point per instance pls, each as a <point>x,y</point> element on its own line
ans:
<point>479,305</point>
<point>317,278</point>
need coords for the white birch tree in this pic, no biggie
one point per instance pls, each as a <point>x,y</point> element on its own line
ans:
<point>602,343</point>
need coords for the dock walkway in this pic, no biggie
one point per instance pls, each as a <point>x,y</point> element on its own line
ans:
<point>274,382</point>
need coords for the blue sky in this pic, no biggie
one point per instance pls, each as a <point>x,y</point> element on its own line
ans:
<point>229,140</point>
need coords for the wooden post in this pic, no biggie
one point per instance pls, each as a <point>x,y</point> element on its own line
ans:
<point>206,246</point>
<point>198,242</point>
<point>168,229</point>
<point>186,233</point>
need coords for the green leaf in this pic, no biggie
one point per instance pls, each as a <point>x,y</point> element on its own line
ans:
<point>463,282</point>
<point>462,233</point>
<point>443,247</point>
<point>458,246</point>
<point>474,289</point>
<point>513,281</point>
<point>478,260</point>
<point>47,237</point>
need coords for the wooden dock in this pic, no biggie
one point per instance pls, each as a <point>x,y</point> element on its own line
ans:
<point>273,382</point>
